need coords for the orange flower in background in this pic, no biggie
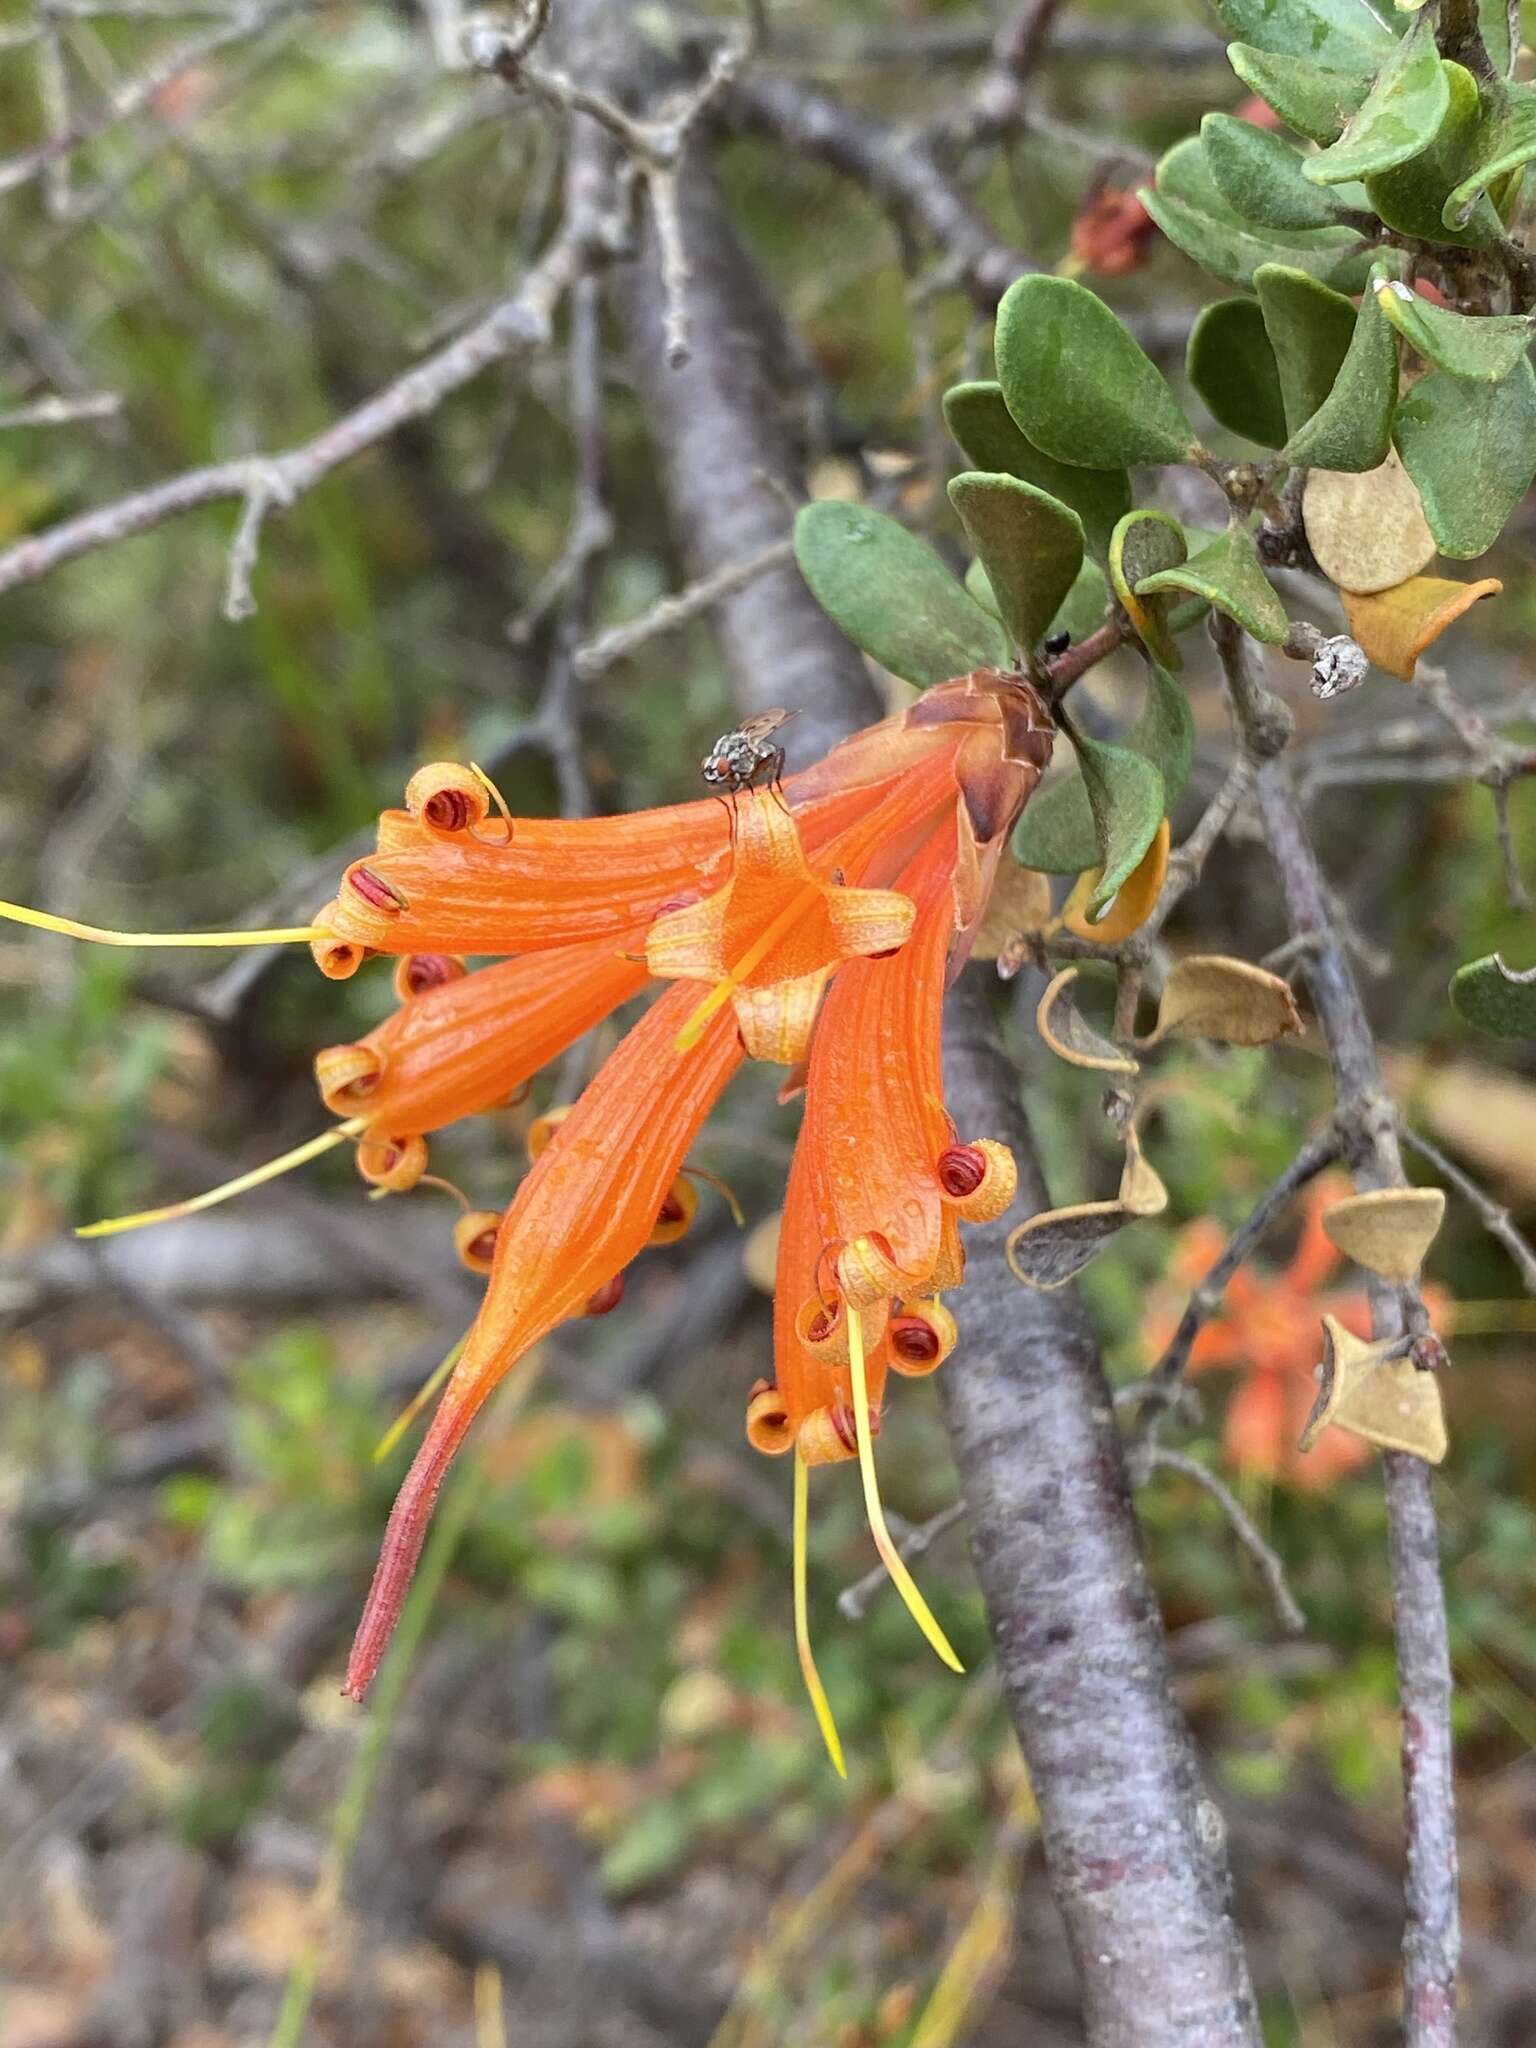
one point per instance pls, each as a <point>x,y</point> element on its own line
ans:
<point>816,923</point>
<point>1271,1334</point>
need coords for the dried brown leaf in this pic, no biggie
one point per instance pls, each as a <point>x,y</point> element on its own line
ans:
<point>1387,1231</point>
<point>1347,1359</point>
<point>1053,1247</point>
<point>1065,1032</point>
<point>1209,996</point>
<point>1367,531</point>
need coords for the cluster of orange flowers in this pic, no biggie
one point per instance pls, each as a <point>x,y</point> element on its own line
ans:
<point>815,923</point>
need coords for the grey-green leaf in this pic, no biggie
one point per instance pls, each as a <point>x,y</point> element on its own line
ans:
<point>1231,364</point>
<point>1228,575</point>
<point>1056,833</point>
<point>1078,385</point>
<point>1030,544</point>
<point>980,421</point>
<point>1349,33</point>
<point>1484,347</point>
<point>1505,139</point>
<point>1471,451</point>
<point>1412,198</point>
<point>892,596</point>
<point>1127,799</point>
<point>1191,211</point>
<point>1310,328</point>
<point>1259,175</point>
<point>1352,428</point>
<point>1399,117</point>
<point>1314,101</point>
<point>1495,998</point>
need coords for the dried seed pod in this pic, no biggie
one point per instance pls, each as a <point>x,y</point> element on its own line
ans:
<point>675,1217</point>
<point>920,1336</point>
<point>979,1181</point>
<point>394,1164</point>
<point>769,1428</point>
<point>474,1238</point>
<point>347,1075</point>
<point>415,973</point>
<point>446,798</point>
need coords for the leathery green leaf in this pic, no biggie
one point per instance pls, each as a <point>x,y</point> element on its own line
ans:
<point>1471,451</point>
<point>1398,118</point>
<point>980,421</point>
<point>1056,832</point>
<point>1078,385</point>
<point>1030,544</point>
<point>1498,999</point>
<point>1310,329</point>
<point>1505,140</point>
<point>1348,33</point>
<point>1142,543</point>
<point>1352,428</point>
<point>1258,173</point>
<point>1083,607</point>
<point>1232,365</point>
<point>1188,206</point>
<point>1127,799</point>
<point>892,596</point>
<point>1412,198</point>
<point>1228,575</point>
<point>1483,347</point>
<point>1314,101</point>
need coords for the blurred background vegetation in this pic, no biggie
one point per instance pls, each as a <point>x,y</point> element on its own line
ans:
<point>602,1813</point>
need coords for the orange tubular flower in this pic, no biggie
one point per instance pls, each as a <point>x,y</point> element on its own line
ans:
<point>587,1207</point>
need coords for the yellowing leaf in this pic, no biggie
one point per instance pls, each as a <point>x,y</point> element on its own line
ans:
<point>1367,530</point>
<point>1388,1230</point>
<point>1209,996</point>
<point>1396,626</point>
<point>1134,902</point>
<point>1065,1032</point>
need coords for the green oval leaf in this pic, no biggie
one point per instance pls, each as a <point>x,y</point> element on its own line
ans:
<point>980,421</point>
<point>1127,799</point>
<point>1483,347</point>
<point>1228,575</point>
<point>1352,428</point>
<point>1231,364</point>
<point>1258,173</point>
<point>1348,33</point>
<point>1029,543</point>
<point>1398,118</point>
<point>1310,328</point>
<point>1056,832</point>
<point>892,596</point>
<point>1412,198</point>
<point>1190,210</point>
<point>1471,451</point>
<point>1495,998</point>
<point>1078,385</point>
<point>1314,101</point>
<point>1505,140</point>
<point>1142,543</point>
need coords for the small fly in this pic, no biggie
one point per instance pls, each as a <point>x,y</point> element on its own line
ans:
<point>747,757</point>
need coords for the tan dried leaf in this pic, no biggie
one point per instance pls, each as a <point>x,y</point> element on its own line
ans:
<point>1209,996</point>
<point>1141,1187</point>
<point>1369,531</point>
<point>1070,1038</point>
<point>760,1252</point>
<point>1347,1360</point>
<point>1053,1247</point>
<point>1020,902</point>
<point>1398,1408</point>
<point>1387,1231</point>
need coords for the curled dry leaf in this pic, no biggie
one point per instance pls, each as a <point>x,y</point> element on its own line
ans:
<point>1394,627</point>
<point>760,1252</point>
<point>1347,1361</point>
<point>1207,995</point>
<point>1387,1231</point>
<point>1053,1247</point>
<point>1133,903</point>
<point>1020,903</point>
<point>1367,531</point>
<point>1142,1191</point>
<point>1065,1032</point>
<point>1386,1401</point>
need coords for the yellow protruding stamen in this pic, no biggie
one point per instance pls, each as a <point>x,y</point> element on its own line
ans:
<point>67,927</point>
<point>721,1188</point>
<point>299,1156</point>
<point>495,796</point>
<point>755,954</point>
<point>417,1402</point>
<point>813,1685</point>
<point>890,1556</point>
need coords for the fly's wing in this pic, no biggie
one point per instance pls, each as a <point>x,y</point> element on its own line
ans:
<point>763,725</point>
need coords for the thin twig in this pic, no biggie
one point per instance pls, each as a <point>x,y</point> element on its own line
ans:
<point>1271,1570</point>
<point>853,1601</point>
<point>1493,1216</point>
<point>671,614</point>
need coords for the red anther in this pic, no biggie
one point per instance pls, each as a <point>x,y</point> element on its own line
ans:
<point>671,1211</point>
<point>821,1326</point>
<point>607,1297</point>
<point>447,810</point>
<point>375,891</point>
<point>846,1426</point>
<point>674,903</point>
<point>914,1340</point>
<point>483,1246</point>
<point>421,971</point>
<point>962,1169</point>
